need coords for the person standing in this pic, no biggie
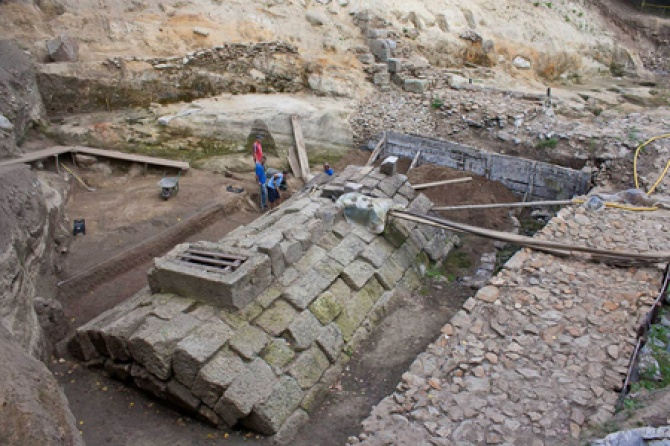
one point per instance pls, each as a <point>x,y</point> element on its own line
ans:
<point>262,180</point>
<point>328,170</point>
<point>258,149</point>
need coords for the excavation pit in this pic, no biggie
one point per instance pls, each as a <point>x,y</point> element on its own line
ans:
<point>259,346</point>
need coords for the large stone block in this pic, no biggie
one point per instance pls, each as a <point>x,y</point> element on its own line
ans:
<point>377,252</point>
<point>117,333</point>
<point>415,85</point>
<point>268,416</point>
<point>292,250</point>
<point>290,427</point>
<point>313,255</point>
<point>248,341</point>
<point>217,375</point>
<point>278,353</point>
<point>194,350</point>
<point>148,382</point>
<point>181,396</point>
<point>304,330</point>
<point>308,367</point>
<point>357,273</point>
<point>304,290</point>
<point>153,344</point>
<point>277,318</point>
<point>356,309</point>
<point>271,245</point>
<point>331,342</point>
<point>228,289</point>
<point>389,274</point>
<point>248,389</point>
<point>329,304</point>
<point>63,49</point>
<point>347,250</point>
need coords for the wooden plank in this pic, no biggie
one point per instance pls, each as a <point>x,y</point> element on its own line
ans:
<point>377,150</point>
<point>58,150</point>
<point>294,162</point>
<point>415,161</point>
<point>132,157</point>
<point>505,205</point>
<point>300,147</point>
<point>440,183</point>
<point>36,155</point>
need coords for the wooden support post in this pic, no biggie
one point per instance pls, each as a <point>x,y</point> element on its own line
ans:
<point>415,161</point>
<point>74,159</point>
<point>303,160</point>
<point>377,150</point>
<point>57,165</point>
<point>441,183</point>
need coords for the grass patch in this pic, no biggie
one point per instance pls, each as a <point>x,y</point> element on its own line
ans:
<point>547,143</point>
<point>436,103</point>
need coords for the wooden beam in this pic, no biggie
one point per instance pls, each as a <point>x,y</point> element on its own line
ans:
<point>441,183</point>
<point>415,161</point>
<point>300,147</point>
<point>377,150</point>
<point>504,205</point>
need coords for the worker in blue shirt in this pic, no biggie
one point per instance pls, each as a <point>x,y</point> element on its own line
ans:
<point>274,183</point>
<point>329,171</point>
<point>262,180</point>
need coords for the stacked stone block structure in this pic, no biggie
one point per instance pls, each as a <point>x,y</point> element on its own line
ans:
<point>264,359</point>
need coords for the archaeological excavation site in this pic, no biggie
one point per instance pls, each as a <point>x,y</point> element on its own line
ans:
<point>334,222</point>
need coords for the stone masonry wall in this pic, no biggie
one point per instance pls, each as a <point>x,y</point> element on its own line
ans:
<point>266,67</point>
<point>268,365</point>
<point>542,181</point>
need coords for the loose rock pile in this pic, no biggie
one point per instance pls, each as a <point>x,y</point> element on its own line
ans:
<point>539,353</point>
<point>268,364</point>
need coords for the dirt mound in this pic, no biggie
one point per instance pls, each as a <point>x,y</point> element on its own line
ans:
<point>478,191</point>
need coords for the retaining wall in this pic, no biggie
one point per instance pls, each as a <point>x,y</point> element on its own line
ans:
<point>540,181</point>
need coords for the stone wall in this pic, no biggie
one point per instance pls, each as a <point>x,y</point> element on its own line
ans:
<point>541,181</point>
<point>268,365</point>
<point>269,67</point>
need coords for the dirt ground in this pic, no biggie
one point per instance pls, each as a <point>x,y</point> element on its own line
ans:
<point>110,413</point>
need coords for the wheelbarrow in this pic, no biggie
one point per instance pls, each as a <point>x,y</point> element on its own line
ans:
<point>169,186</point>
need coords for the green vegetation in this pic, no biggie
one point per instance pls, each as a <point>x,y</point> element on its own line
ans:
<point>547,143</point>
<point>457,259</point>
<point>436,102</point>
<point>503,255</point>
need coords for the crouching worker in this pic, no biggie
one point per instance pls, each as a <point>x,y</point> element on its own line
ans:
<point>276,182</point>
<point>261,178</point>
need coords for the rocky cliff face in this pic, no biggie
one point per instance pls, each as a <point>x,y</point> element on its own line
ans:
<point>30,212</point>
<point>33,408</point>
<point>20,102</point>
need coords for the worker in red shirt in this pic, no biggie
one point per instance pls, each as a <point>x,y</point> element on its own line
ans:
<point>258,149</point>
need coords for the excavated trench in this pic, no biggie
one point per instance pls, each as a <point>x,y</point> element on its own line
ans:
<point>375,366</point>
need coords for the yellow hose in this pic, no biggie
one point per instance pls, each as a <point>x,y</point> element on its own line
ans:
<point>637,153</point>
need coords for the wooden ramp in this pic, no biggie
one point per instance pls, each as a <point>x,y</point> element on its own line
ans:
<point>130,157</point>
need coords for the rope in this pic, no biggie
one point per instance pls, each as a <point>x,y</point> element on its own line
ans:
<point>530,242</point>
<point>637,154</point>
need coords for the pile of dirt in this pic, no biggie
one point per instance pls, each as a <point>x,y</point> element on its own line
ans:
<point>478,191</point>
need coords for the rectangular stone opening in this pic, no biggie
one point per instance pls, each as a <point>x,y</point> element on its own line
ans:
<point>212,261</point>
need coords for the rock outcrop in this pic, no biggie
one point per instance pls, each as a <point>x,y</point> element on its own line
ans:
<point>30,212</point>
<point>20,101</point>
<point>33,408</point>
